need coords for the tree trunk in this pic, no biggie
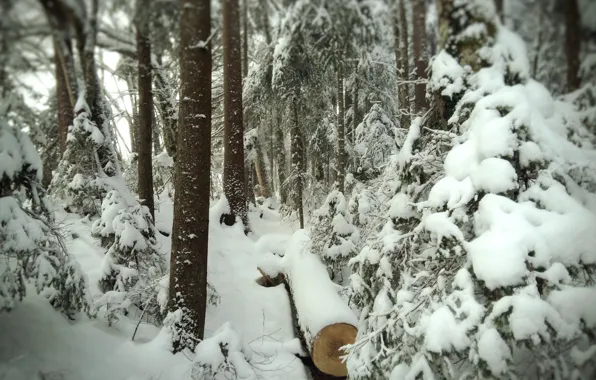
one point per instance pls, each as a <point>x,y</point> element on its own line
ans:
<point>261,171</point>
<point>572,44</point>
<point>65,111</point>
<point>499,6</point>
<point>341,138</point>
<point>188,267</point>
<point>244,38</point>
<point>280,156</point>
<point>420,60</point>
<point>164,96</point>
<point>145,130</point>
<point>86,36</point>
<point>156,135</point>
<point>297,163</point>
<point>401,30</point>
<point>234,187</point>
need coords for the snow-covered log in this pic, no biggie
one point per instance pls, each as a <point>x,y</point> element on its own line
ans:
<point>326,322</point>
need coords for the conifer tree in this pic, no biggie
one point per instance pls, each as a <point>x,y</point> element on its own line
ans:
<point>466,254</point>
<point>188,265</point>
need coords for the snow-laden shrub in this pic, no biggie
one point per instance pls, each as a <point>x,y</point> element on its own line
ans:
<point>222,357</point>
<point>132,267</point>
<point>486,265</point>
<point>79,178</point>
<point>30,247</point>
<point>333,234</point>
<point>376,138</point>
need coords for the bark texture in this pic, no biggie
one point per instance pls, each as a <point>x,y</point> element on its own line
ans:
<point>145,128</point>
<point>234,185</point>
<point>341,131</point>
<point>572,44</point>
<point>419,52</point>
<point>65,107</point>
<point>188,267</point>
<point>401,30</point>
<point>297,158</point>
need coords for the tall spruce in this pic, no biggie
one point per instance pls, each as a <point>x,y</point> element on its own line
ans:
<point>234,184</point>
<point>145,105</point>
<point>188,266</point>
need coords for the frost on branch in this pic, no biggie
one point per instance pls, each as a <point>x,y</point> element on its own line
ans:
<point>485,266</point>
<point>334,235</point>
<point>132,268</point>
<point>31,249</point>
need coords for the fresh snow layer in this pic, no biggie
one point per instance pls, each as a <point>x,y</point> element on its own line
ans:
<point>35,339</point>
<point>315,295</point>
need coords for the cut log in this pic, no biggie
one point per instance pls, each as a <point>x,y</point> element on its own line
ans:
<point>326,322</point>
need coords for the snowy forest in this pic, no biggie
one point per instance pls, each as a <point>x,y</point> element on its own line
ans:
<point>297,189</point>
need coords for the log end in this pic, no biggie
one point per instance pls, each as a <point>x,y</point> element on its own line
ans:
<point>326,346</point>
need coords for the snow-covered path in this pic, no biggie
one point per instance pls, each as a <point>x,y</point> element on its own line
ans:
<point>35,339</point>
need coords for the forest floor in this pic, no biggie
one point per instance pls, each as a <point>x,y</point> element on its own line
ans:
<point>36,342</point>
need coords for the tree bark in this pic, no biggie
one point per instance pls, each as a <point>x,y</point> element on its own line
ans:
<point>65,107</point>
<point>572,44</point>
<point>261,171</point>
<point>188,267</point>
<point>145,127</point>
<point>280,156</point>
<point>297,156</point>
<point>244,38</point>
<point>499,6</point>
<point>420,60</point>
<point>341,137</point>
<point>164,96</point>
<point>401,30</point>
<point>234,186</point>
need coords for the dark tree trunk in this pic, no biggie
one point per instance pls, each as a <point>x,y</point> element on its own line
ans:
<point>234,187</point>
<point>297,156</point>
<point>280,156</point>
<point>156,134</point>
<point>401,30</point>
<point>499,6</point>
<point>572,43</point>
<point>163,96</point>
<point>145,128</point>
<point>341,138</point>
<point>65,107</point>
<point>86,37</point>
<point>188,267</point>
<point>261,172</point>
<point>133,128</point>
<point>244,38</point>
<point>419,51</point>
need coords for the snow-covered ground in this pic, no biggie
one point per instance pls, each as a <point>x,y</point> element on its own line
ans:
<point>36,342</point>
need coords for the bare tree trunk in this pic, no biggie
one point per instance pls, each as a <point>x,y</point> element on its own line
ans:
<point>234,186</point>
<point>297,162</point>
<point>401,31</point>
<point>167,110</point>
<point>261,171</point>
<point>499,6</point>
<point>420,60</point>
<point>244,38</point>
<point>188,267</point>
<point>341,137</point>
<point>572,44</point>
<point>145,127</point>
<point>65,111</point>
<point>280,156</point>
<point>134,127</point>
